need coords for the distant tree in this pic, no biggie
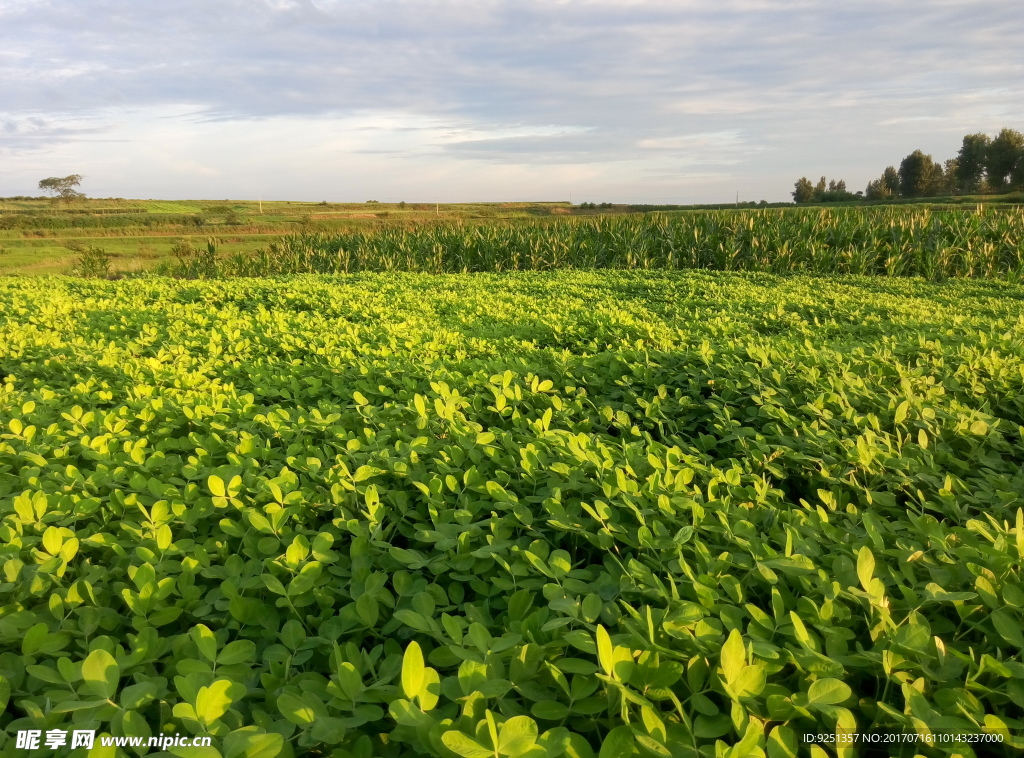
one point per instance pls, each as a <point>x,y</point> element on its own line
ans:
<point>970,162</point>
<point>1002,156</point>
<point>835,193</point>
<point>876,190</point>
<point>1017,175</point>
<point>937,180</point>
<point>62,187</point>
<point>824,191</point>
<point>949,168</point>
<point>803,191</point>
<point>891,181</point>
<point>888,185</point>
<point>917,175</point>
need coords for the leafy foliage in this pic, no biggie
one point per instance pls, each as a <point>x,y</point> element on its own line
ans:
<point>548,514</point>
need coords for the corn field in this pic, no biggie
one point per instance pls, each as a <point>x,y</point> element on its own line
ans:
<point>884,242</point>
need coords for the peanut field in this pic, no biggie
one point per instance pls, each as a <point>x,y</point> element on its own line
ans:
<point>615,513</point>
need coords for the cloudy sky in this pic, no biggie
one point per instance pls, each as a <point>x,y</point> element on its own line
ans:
<point>448,100</point>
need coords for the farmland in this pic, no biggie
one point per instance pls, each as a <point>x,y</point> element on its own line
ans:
<point>541,513</point>
<point>961,236</point>
<point>39,236</point>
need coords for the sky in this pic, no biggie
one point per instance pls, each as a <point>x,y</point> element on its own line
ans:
<point>639,101</point>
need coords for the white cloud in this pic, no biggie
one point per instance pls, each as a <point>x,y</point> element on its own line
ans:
<point>648,96</point>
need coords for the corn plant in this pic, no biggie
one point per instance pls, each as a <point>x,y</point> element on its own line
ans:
<point>874,241</point>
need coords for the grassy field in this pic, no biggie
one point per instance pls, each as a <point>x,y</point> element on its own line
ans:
<point>531,515</point>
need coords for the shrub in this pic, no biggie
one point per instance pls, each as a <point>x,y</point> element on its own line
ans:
<point>93,263</point>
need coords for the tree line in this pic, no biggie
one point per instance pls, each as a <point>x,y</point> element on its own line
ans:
<point>983,165</point>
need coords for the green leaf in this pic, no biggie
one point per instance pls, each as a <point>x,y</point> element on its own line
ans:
<point>205,641</point>
<point>749,682</point>
<point>101,673</point>
<point>213,702</point>
<point>431,691</point>
<point>782,743</point>
<point>34,639</point>
<point>238,651</point>
<point>652,746</point>
<point>243,609</point>
<point>273,584</point>
<point>517,735</point>
<point>497,492</point>
<point>618,743</point>
<point>259,522</point>
<point>465,746</point>
<point>550,710</point>
<point>363,473</point>
<point>865,567</point>
<point>52,540</point>
<point>653,724</point>
<point>745,747</point>
<point>407,714</point>
<point>412,670</point>
<point>349,680</point>
<point>578,747</point>
<point>295,709</point>
<point>190,752</point>
<point>216,485</point>
<point>328,729</point>
<point>901,411</point>
<point>250,744</point>
<point>828,692</point>
<point>733,656</point>
<point>138,695</point>
<point>368,610</point>
<point>554,742</point>
<point>292,634</point>
<point>1008,628</point>
<point>46,674</point>
<point>133,724</point>
<point>100,750</point>
<point>412,619</point>
<point>605,650</point>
